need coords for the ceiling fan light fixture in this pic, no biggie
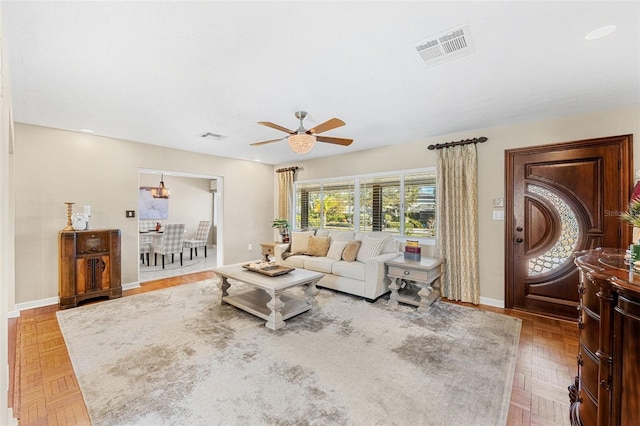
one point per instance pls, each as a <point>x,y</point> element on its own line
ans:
<point>301,143</point>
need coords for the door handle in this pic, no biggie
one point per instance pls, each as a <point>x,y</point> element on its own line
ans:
<point>519,240</point>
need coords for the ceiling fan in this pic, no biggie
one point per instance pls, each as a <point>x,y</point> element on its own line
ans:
<point>302,140</point>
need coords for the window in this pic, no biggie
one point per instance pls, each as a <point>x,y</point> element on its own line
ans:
<point>401,203</point>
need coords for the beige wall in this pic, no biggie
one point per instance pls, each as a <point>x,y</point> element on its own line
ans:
<point>53,166</point>
<point>618,121</point>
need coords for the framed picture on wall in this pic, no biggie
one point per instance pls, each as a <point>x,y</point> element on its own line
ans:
<point>152,208</point>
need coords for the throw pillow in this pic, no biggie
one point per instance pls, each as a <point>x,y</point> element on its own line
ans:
<point>336,249</point>
<point>351,250</point>
<point>300,241</point>
<point>318,246</point>
<point>371,247</point>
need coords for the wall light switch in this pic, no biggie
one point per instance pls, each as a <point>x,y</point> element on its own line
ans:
<point>498,215</point>
<point>498,202</point>
<point>130,213</point>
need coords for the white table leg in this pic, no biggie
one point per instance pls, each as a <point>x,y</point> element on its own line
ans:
<point>393,297</point>
<point>275,317</point>
<point>223,285</point>
<point>311,291</point>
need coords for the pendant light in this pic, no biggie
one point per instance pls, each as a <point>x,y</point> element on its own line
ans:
<point>160,191</point>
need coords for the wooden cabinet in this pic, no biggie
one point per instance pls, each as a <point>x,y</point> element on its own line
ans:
<point>606,389</point>
<point>89,266</point>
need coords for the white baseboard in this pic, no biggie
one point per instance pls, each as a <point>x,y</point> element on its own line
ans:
<point>496,303</point>
<point>11,421</point>
<point>37,303</point>
<point>52,301</point>
<point>129,286</point>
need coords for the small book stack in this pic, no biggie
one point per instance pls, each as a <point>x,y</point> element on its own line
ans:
<point>412,250</point>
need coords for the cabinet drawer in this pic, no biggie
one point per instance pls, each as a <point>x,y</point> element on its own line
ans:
<point>267,250</point>
<point>589,297</point>
<point>412,274</point>
<point>590,332</point>
<point>589,374</point>
<point>588,410</point>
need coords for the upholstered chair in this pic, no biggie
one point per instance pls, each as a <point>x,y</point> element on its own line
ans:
<point>170,243</point>
<point>200,239</point>
<point>145,248</point>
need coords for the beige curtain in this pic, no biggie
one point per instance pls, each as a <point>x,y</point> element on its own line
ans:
<point>457,216</point>
<point>285,192</point>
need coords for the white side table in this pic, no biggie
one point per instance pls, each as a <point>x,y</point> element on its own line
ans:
<point>422,281</point>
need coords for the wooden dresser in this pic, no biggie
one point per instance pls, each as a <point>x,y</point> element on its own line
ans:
<point>89,266</point>
<point>607,388</point>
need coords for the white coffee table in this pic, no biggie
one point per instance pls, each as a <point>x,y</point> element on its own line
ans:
<point>267,299</point>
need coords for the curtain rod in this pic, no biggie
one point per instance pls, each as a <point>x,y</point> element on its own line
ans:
<point>462,142</point>
<point>294,168</point>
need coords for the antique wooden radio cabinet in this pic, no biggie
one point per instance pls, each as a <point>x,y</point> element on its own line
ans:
<point>89,266</point>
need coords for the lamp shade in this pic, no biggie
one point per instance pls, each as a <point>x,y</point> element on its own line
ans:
<point>301,143</point>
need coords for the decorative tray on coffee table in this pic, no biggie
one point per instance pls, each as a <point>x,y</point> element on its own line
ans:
<point>271,270</point>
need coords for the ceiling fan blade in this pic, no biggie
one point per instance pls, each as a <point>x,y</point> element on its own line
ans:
<point>337,141</point>
<point>275,126</point>
<point>266,142</point>
<point>326,126</point>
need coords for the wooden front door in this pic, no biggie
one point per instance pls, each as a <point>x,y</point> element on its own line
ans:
<point>560,199</point>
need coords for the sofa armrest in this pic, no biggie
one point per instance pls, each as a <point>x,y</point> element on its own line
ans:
<point>377,282</point>
<point>278,249</point>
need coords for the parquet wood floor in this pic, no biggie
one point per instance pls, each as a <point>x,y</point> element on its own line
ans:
<point>44,389</point>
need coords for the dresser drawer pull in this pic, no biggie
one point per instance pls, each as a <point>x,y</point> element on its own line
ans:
<point>407,272</point>
<point>606,384</point>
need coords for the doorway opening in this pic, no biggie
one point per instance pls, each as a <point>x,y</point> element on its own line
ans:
<point>192,198</point>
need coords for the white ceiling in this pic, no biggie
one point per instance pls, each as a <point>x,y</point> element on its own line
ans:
<point>165,72</point>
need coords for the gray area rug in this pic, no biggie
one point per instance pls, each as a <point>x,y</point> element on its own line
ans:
<point>176,357</point>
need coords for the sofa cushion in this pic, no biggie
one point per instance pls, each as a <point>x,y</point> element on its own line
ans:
<point>370,247</point>
<point>350,252</point>
<point>336,249</point>
<point>341,235</point>
<point>296,261</point>
<point>300,241</point>
<point>354,270</point>
<point>318,246</point>
<point>319,264</point>
<point>322,232</point>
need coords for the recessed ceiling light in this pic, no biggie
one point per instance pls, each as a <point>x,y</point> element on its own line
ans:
<point>600,32</point>
<point>87,130</point>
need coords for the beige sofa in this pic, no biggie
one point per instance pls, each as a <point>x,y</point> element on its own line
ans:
<point>363,276</point>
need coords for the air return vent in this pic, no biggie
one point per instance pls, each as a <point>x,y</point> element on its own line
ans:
<point>452,44</point>
<point>212,136</point>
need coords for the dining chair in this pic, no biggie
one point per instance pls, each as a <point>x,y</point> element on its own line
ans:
<point>171,243</point>
<point>145,247</point>
<point>200,239</point>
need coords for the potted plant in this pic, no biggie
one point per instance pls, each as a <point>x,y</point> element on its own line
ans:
<point>633,217</point>
<point>283,228</point>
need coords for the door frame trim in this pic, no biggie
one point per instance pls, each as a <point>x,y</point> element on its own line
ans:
<point>625,143</point>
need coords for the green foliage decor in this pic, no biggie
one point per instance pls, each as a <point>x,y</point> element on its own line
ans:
<point>633,214</point>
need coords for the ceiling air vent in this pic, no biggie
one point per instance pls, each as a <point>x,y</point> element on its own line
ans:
<point>452,44</point>
<point>212,136</point>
